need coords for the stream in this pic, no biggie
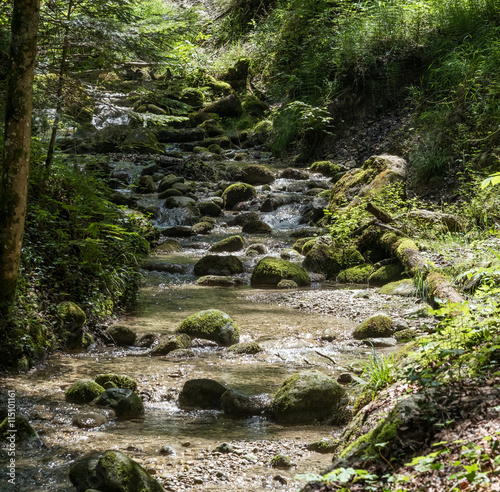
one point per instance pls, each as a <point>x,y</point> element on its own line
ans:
<point>174,445</point>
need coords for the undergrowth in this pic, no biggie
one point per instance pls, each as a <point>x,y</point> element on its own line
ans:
<point>78,247</point>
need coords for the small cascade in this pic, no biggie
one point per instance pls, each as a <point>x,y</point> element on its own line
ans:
<point>111,110</point>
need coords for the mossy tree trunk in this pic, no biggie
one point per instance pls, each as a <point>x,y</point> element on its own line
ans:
<point>16,153</point>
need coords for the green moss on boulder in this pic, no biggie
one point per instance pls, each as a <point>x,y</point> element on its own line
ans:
<point>326,168</point>
<point>376,326</point>
<point>231,243</point>
<point>256,174</point>
<point>218,265</point>
<point>122,335</point>
<point>181,341</point>
<point>211,324</point>
<point>356,275</point>
<point>386,274</point>
<point>299,244</point>
<point>83,391</point>
<point>119,380</point>
<point>236,193</point>
<point>203,228</point>
<point>330,260</point>
<point>307,397</point>
<point>271,271</point>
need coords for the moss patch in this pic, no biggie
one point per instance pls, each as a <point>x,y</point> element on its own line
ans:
<point>377,326</point>
<point>83,391</point>
<point>355,275</point>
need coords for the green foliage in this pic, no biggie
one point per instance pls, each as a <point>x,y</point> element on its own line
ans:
<point>379,371</point>
<point>299,121</point>
<point>79,246</point>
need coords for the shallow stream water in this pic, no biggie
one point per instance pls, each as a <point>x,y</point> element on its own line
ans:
<point>292,340</point>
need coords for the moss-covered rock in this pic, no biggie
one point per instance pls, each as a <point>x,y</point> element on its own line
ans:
<point>211,324</point>
<point>356,275</point>
<point>209,208</point>
<point>169,246</point>
<point>218,265</point>
<point>376,326</point>
<point>377,172</point>
<point>168,181</point>
<point>330,260</point>
<point>83,391</point>
<point>203,228</point>
<point>175,342</point>
<point>306,397</point>
<point>212,128</point>
<point>247,348</point>
<point>218,281</point>
<point>255,174</point>
<point>405,288</point>
<point>179,202</point>
<point>271,271</point>
<point>256,227</point>
<point>23,429</point>
<point>72,320</point>
<point>201,393</point>
<point>169,192</point>
<point>229,106</point>
<point>122,335</point>
<point>326,168</point>
<point>145,184</point>
<point>299,244</point>
<point>256,250</point>
<point>119,380</point>
<point>386,274</point>
<point>231,243</point>
<point>125,402</point>
<point>236,193</point>
<point>111,472</point>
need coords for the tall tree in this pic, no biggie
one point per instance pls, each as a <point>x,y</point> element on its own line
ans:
<point>16,150</point>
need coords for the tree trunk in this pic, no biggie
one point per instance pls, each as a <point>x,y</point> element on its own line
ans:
<point>60,87</point>
<point>16,152</point>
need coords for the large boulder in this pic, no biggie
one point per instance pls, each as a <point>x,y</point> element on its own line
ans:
<point>306,397</point>
<point>179,202</point>
<point>255,174</point>
<point>211,324</point>
<point>218,265</point>
<point>271,271</point>
<point>236,193</point>
<point>201,393</point>
<point>83,391</point>
<point>111,472</point>
<point>209,208</point>
<point>229,106</point>
<point>125,402</point>
<point>377,172</point>
<point>24,430</point>
<point>231,243</point>
<point>376,326</point>
<point>330,260</point>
